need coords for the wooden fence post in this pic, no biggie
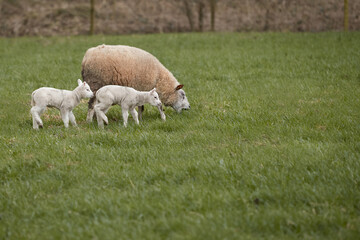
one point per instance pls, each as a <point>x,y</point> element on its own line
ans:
<point>92,16</point>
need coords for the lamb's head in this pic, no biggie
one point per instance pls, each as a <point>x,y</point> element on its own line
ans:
<point>84,90</point>
<point>181,101</point>
<point>154,98</point>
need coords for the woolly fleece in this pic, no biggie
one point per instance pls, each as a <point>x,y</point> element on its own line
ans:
<point>128,66</point>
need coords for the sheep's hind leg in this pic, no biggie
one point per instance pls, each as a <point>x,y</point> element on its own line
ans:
<point>34,118</point>
<point>35,125</point>
<point>100,110</point>
<point>36,111</point>
<point>99,118</point>
<point>134,114</point>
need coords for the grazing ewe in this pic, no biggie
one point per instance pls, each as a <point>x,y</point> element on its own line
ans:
<point>128,98</point>
<point>131,67</point>
<point>64,100</point>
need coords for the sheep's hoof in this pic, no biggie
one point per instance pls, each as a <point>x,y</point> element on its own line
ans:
<point>41,126</point>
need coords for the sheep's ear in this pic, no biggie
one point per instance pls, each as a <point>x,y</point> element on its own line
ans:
<point>79,82</point>
<point>153,90</point>
<point>179,87</point>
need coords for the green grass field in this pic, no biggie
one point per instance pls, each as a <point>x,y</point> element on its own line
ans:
<point>270,148</point>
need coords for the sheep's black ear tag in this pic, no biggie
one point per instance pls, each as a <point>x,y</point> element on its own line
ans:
<point>179,87</point>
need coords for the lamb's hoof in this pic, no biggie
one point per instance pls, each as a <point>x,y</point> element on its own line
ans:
<point>41,126</point>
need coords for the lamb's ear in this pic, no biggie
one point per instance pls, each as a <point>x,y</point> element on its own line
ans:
<point>79,82</point>
<point>179,87</point>
<point>153,90</point>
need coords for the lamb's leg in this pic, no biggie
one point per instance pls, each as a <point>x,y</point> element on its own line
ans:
<point>34,117</point>
<point>104,117</point>
<point>140,109</point>
<point>41,111</point>
<point>91,110</point>
<point>99,118</point>
<point>65,117</point>
<point>125,115</point>
<point>100,110</point>
<point>162,114</point>
<point>36,111</point>
<point>35,125</point>
<point>72,119</point>
<point>134,114</point>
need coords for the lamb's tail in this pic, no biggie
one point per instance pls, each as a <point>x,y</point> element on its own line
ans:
<point>33,103</point>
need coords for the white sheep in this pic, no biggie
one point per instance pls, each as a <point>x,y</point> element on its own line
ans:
<point>131,67</point>
<point>64,100</point>
<point>126,97</point>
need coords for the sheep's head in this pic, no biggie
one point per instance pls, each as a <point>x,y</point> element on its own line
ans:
<point>181,101</point>
<point>84,89</point>
<point>154,98</point>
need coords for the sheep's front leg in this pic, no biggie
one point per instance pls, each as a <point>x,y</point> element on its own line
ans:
<point>125,115</point>
<point>134,114</point>
<point>65,117</point>
<point>72,119</point>
<point>162,114</point>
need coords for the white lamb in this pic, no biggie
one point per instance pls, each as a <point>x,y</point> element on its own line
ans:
<point>126,97</point>
<point>64,100</point>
